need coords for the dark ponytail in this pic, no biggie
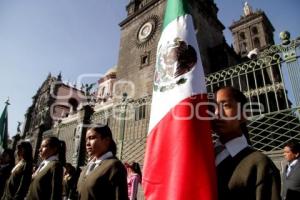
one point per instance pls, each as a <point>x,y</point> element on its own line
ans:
<point>60,145</point>
<point>137,169</point>
<point>62,152</point>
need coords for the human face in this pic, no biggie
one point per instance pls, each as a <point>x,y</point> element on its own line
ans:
<point>96,146</point>
<point>128,168</point>
<point>228,116</point>
<point>46,151</point>
<point>289,155</point>
<point>20,153</point>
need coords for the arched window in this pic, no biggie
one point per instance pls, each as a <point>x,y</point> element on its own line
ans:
<point>243,47</point>
<point>242,36</point>
<point>254,30</point>
<point>140,112</point>
<point>256,43</point>
<point>102,91</point>
<point>61,111</point>
<point>74,104</point>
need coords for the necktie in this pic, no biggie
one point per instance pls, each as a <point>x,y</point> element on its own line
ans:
<point>38,169</point>
<point>90,168</point>
<point>288,171</point>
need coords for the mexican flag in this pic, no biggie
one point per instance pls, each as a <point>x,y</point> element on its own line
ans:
<point>179,161</point>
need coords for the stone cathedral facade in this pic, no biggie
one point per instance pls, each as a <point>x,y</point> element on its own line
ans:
<point>123,96</point>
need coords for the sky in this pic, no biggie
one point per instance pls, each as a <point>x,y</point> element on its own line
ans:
<point>77,37</point>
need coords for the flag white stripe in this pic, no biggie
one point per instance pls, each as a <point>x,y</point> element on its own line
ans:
<point>163,102</point>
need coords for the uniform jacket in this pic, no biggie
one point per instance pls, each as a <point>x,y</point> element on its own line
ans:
<point>291,183</point>
<point>249,175</point>
<point>108,181</point>
<point>69,186</point>
<point>47,184</point>
<point>4,175</point>
<point>18,182</point>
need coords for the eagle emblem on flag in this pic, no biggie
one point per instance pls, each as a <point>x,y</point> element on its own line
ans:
<point>175,58</point>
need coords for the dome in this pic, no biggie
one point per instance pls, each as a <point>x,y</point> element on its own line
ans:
<point>111,71</point>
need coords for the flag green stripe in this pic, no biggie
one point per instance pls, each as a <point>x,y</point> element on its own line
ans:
<point>3,128</point>
<point>174,9</point>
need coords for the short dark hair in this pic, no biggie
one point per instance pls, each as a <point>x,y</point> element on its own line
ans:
<point>239,97</point>
<point>105,132</point>
<point>294,146</point>
<point>27,149</point>
<point>236,94</point>
<point>70,168</point>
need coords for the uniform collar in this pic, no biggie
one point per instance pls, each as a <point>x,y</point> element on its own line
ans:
<point>104,157</point>
<point>231,148</point>
<point>236,145</point>
<point>293,163</point>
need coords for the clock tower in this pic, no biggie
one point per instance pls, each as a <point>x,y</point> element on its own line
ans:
<point>140,33</point>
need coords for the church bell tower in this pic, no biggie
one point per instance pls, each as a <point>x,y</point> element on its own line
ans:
<point>252,31</point>
<point>140,33</point>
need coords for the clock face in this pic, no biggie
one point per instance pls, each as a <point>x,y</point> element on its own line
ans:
<point>145,31</point>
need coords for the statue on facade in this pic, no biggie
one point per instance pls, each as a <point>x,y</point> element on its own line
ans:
<point>86,88</point>
<point>247,9</point>
<point>285,37</point>
<point>18,127</point>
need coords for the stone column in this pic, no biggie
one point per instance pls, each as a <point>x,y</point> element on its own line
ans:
<point>289,55</point>
<point>79,156</point>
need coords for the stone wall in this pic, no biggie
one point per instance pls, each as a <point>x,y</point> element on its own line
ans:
<point>131,66</point>
<point>67,132</point>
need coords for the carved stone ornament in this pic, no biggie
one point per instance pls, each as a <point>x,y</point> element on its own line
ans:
<point>285,37</point>
<point>147,30</point>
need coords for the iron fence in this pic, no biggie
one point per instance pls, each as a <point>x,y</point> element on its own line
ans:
<point>271,82</point>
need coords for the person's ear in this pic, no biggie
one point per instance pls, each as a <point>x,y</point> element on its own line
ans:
<point>246,112</point>
<point>55,150</point>
<point>107,141</point>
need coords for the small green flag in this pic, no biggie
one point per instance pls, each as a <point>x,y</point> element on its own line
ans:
<point>3,127</point>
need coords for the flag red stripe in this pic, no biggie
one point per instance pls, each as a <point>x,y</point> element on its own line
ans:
<point>179,160</point>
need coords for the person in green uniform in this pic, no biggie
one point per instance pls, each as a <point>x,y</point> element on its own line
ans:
<point>105,176</point>
<point>46,181</point>
<point>18,183</point>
